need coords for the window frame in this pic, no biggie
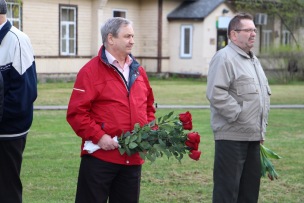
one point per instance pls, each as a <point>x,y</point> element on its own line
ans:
<point>183,42</point>
<point>266,39</point>
<point>67,24</point>
<point>286,37</point>
<point>121,11</point>
<point>11,17</point>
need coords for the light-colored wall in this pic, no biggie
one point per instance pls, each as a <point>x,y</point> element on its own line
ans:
<point>149,33</point>
<point>210,33</point>
<point>42,26</point>
<point>131,9</point>
<point>203,45</point>
<point>144,14</point>
<point>43,30</point>
<point>178,64</point>
<point>91,16</point>
<point>148,25</point>
<point>277,28</point>
<point>168,7</point>
<point>60,65</point>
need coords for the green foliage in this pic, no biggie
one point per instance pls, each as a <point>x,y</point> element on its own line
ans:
<point>285,51</point>
<point>168,139</point>
<point>288,64</point>
<point>266,164</point>
<point>289,11</point>
<point>275,7</point>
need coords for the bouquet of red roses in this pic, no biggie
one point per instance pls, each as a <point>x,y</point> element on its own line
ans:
<point>164,137</point>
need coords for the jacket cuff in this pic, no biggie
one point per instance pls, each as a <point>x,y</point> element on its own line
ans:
<point>96,138</point>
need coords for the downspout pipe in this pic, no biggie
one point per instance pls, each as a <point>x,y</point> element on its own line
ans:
<point>159,36</point>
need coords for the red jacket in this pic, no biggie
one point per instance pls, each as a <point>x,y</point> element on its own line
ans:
<point>101,103</point>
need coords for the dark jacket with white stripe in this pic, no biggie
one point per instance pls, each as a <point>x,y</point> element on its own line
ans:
<point>18,83</point>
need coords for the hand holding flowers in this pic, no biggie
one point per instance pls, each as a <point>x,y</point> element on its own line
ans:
<point>166,137</point>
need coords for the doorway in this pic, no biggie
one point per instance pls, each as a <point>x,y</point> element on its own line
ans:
<point>222,39</point>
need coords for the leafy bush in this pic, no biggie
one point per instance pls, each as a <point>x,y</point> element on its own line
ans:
<point>284,64</point>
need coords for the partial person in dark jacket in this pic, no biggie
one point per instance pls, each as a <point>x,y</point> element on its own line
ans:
<point>239,96</point>
<point>18,91</point>
<point>110,95</point>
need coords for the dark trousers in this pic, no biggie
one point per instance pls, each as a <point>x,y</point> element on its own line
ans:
<point>237,172</point>
<point>10,166</point>
<point>100,181</point>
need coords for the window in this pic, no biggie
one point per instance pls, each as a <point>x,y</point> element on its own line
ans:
<point>119,13</point>
<point>186,41</point>
<point>14,14</point>
<point>285,37</point>
<point>68,26</point>
<point>266,39</point>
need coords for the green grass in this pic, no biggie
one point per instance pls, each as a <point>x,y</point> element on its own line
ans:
<point>51,158</point>
<point>176,92</point>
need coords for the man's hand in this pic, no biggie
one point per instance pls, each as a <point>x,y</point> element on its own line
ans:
<point>107,143</point>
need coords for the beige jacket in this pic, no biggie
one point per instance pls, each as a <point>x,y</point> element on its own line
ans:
<point>239,95</point>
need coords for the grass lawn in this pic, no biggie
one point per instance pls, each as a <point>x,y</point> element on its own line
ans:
<point>51,158</point>
<point>175,92</point>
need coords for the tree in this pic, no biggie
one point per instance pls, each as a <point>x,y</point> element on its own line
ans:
<point>290,12</point>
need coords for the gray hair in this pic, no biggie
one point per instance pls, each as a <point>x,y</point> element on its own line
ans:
<point>3,7</point>
<point>112,26</point>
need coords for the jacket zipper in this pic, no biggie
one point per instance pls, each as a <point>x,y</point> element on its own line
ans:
<point>125,83</point>
<point>121,76</point>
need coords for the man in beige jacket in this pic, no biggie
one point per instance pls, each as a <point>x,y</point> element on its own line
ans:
<point>239,97</point>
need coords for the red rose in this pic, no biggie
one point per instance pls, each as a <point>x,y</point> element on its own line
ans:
<point>186,120</point>
<point>185,117</point>
<point>194,137</point>
<point>187,126</point>
<point>195,154</point>
<point>155,127</point>
<point>193,146</point>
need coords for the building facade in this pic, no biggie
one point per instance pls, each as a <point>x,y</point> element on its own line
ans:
<point>171,36</point>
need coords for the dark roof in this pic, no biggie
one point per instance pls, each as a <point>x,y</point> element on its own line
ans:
<point>194,9</point>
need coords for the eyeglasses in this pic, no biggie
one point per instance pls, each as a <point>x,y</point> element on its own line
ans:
<point>247,30</point>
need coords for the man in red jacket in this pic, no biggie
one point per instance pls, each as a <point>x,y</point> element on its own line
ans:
<point>111,94</point>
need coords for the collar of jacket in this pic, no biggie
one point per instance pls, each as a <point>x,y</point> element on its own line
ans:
<point>5,29</point>
<point>240,51</point>
<point>134,73</point>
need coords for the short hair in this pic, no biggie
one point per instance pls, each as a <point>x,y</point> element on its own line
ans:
<point>235,22</point>
<point>3,7</point>
<point>112,26</point>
